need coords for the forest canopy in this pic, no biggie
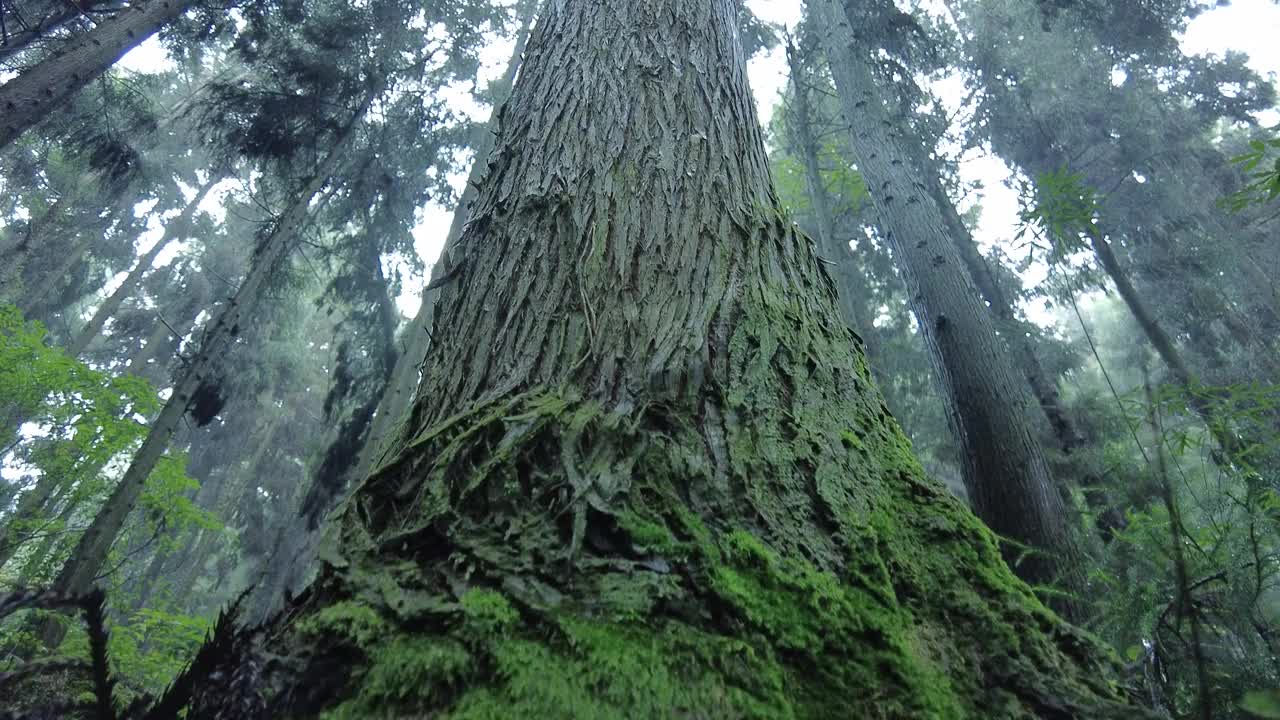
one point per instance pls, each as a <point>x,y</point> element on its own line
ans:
<point>639,359</point>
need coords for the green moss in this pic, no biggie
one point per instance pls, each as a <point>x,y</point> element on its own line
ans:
<point>487,613</point>
<point>796,564</point>
<point>407,675</point>
<point>350,621</point>
<point>650,536</point>
<point>813,617</point>
<point>598,670</point>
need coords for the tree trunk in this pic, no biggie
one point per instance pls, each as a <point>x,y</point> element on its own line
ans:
<point>648,474</point>
<point>21,31</point>
<point>1235,449</point>
<point>199,377</point>
<point>31,504</point>
<point>1043,387</point>
<point>838,252</point>
<point>417,336</point>
<point>1004,468</point>
<point>109,307</point>
<point>13,258</point>
<point>33,95</point>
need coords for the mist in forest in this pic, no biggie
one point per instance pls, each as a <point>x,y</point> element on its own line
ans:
<point>623,359</point>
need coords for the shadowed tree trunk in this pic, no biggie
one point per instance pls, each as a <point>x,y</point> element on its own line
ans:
<point>648,474</point>
<point>1043,386</point>
<point>199,382</point>
<point>1004,468</point>
<point>33,95</point>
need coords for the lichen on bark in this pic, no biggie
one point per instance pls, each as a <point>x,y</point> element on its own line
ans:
<point>648,474</point>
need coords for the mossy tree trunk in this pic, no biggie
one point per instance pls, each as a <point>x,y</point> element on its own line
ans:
<point>648,474</point>
<point>1004,468</point>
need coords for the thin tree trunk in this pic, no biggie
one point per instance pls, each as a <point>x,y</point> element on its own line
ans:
<point>1004,468</point>
<point>177,228</point>
<point>1233,447</point>
<point>417,336</point>
<point>200,375</point>
<point>33,95</point>
<point>13,259</point>
<point>36,300</point>
<point>31,505</point>
<point>647,474</point>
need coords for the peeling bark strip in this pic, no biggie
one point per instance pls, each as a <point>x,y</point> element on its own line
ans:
<point>1004,468</point>
<point>30,97</point>
<point>648,475</point>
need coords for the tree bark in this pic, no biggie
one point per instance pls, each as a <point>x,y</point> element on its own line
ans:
<point>1004,468</point>
<point>176,228</point>
<point>648,474</point>
<point>417,336</point>
<point>1043,387</point>
<point>200,375</point>
<point>33,95</point>
<point>23,31</point>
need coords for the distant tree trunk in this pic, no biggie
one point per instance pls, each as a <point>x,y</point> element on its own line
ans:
<point>648,474</point>
<point>1043,386</point>
<point>417,336</point>
<point>1004,468</point>
<point>1233,446</point>
<point>31,505</point>
<point>14,256</point>
<point>44,302</point>
<point>176,228</point>
<point>841,256</point>
<point>33,95</point>
<point>165,339</point>
<point>199,380</point>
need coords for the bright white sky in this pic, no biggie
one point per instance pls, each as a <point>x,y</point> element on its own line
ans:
<point>1251,26</point>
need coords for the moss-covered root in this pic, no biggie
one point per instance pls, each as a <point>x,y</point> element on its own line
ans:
<point>498,589</point>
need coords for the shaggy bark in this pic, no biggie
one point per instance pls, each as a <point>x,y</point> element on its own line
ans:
<point>1004,468</point>
<point>30,97</point>
<point>198,378</point>
<point>648,474</point>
